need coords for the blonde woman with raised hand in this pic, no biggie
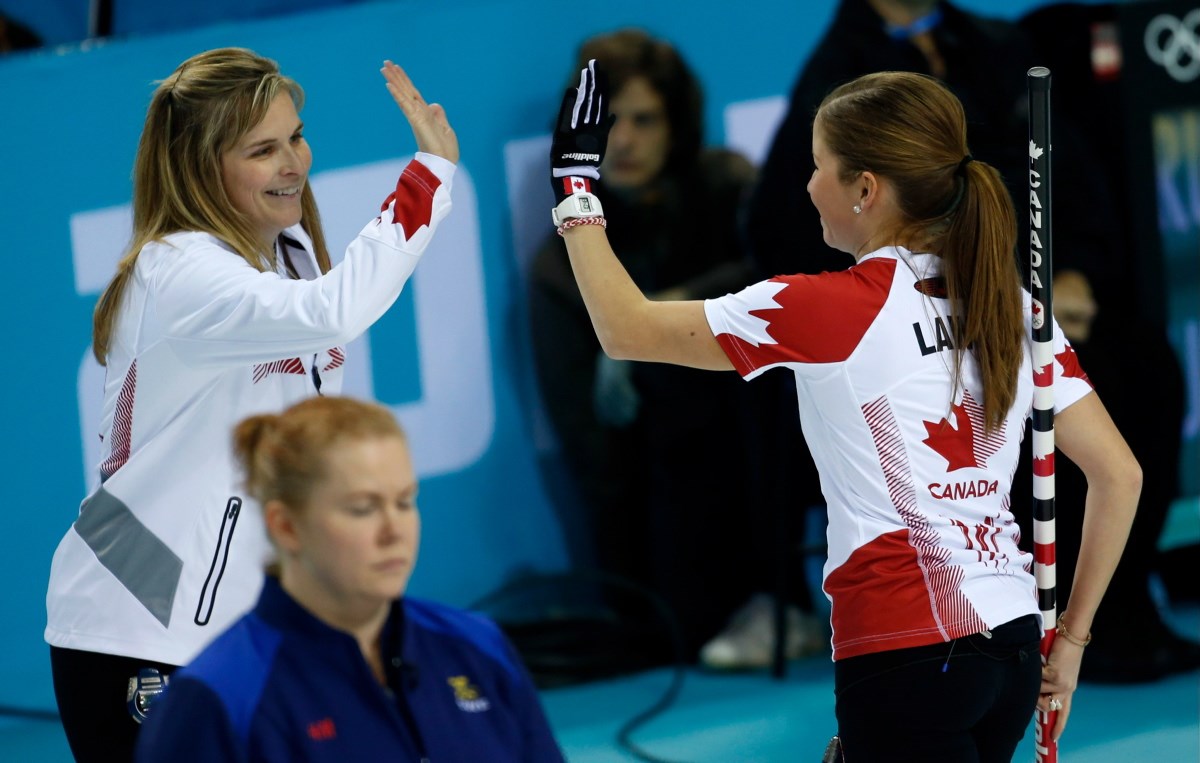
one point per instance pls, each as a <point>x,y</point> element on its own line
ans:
<point>224,305</point>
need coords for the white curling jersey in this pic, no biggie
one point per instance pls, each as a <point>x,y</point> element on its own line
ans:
<point>169,550</point>
<point>922,545</point>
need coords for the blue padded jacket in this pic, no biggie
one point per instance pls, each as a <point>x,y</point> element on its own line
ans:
<point>281,685</point>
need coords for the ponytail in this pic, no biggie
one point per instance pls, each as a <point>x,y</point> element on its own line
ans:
<point>984,287</point>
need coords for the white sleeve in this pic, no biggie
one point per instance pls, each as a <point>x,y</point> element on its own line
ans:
<point>1071,382</point>
<point>215,309</point>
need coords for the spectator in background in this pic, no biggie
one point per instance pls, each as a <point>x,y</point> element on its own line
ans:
<point>224,305</point>
<point>16,36</point>
<point>335,661</point>
<point>662,505</point>
<point>1138,644</point>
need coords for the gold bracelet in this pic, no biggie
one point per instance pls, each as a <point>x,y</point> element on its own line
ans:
<point>1070,637</point>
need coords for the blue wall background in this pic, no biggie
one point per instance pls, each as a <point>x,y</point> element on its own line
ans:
<point>69,123</point>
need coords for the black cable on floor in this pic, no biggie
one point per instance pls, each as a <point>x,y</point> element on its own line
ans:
<point>679,669</point>
<point>660,706</point>
<point>32,713</point>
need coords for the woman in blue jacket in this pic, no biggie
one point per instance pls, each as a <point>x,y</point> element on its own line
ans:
<point>335,663</point>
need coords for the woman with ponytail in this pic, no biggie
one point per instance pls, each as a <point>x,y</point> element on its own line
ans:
<point>224,305</point>
<point>914,381</point>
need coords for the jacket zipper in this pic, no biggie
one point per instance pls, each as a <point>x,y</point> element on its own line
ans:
<point>233,509</point>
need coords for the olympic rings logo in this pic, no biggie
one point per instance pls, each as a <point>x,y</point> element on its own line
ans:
<point>1175,45</point>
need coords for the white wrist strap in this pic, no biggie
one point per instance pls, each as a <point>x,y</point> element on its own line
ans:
<point>577,205</point>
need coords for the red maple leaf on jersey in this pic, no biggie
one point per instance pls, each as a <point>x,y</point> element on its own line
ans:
<point>1070,364</point>
<point>956,445</point>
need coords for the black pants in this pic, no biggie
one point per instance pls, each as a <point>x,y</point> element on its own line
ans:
<point>964,701</point>
<point>91,691</point>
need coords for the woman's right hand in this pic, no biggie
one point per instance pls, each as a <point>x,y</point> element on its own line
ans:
<point>428,121</point>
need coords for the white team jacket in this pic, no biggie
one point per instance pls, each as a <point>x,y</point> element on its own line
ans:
<point>169,550</point>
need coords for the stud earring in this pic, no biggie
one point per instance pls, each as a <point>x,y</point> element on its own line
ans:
<point>857,209</point>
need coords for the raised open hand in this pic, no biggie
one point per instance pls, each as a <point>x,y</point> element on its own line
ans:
<point>581,132</point>
<point>428,121</point>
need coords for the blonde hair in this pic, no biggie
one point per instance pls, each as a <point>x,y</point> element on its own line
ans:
<point>911,129</point>
<point>283,455</point>
<point>198,113</point>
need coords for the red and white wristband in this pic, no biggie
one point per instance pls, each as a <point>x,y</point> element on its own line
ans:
<point>575,222</point>
<point>578,208</point>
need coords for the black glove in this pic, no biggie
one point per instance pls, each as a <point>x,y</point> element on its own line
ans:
<point>581,134</point>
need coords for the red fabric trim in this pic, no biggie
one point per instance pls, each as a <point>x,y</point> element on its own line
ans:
<point>412,201</point>
<point>1071,367</point>
<point>337,356</point>
<point>821,319</point>
<point>288,366</point>
<point>880,599</point>
<point>122,428</point>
